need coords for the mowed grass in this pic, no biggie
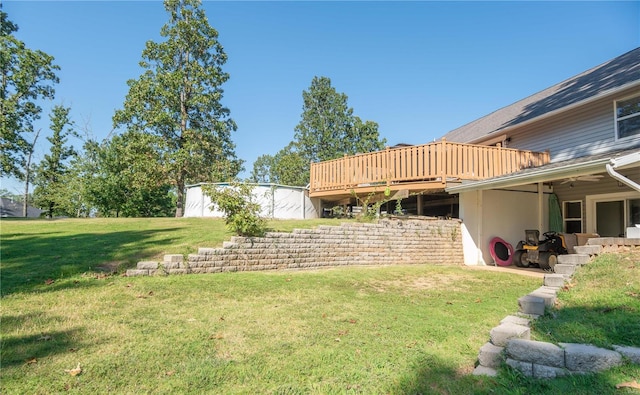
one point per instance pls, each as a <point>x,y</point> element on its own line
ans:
<point>34,251</point>
<point>601,305</point>
<point>369,330</point>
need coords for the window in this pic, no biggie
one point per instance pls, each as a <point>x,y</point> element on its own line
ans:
<point>628,117</point>
<point>572,216</point>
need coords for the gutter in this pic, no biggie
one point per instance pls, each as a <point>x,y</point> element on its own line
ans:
<point>630,160</point>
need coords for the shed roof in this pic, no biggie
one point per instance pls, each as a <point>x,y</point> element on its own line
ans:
<point>618,73</point>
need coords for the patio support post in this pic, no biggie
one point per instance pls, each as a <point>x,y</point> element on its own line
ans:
<point>540,207</point>
<point>419,203</point>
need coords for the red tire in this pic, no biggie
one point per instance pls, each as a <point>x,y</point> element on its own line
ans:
<point>501,252</point>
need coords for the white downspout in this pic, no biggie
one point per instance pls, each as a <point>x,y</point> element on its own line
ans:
<point>624,161</point>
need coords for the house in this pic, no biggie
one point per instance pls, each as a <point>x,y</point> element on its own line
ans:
<point>10,208</point>
<point>578,140</point>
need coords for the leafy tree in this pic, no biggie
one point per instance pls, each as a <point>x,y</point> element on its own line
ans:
<point>262,169</point>
<point>178,98</point>
<point>327,130</point>
<point>26,77</point>
<point>288,167</point>
<point>53,166</point>
<point>242,213</point>
<point>126,176</point>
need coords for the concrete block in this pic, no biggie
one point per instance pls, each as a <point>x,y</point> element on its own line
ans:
<point>535,352</point>
<point>573,259</point>
<point>484,371</point>
<point>178,271</point>
<point>512,319</point>
<point>554,280</point>
<point>501,334</point>
<point>588,249</point>
<point>490,355</point>
<point>173,258</point>
<point>631,353</point>
<point>206,251</point>
<point>588,358</point>
<point>566,269</point>
<point>548,372</point>
<point>137,272</point>
<point>172,265</point>
<point>147,265</point>
<point>548,298</point>
<point>531,305</point>
<point>525,368</point>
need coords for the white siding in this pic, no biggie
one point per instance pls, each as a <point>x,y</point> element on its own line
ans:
<point>504,214</point>
<point>587,130</point>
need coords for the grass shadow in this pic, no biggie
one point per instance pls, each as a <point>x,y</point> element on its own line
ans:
<point>32,261</point>
<point>27,349</point>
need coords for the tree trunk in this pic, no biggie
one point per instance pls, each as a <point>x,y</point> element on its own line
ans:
<point>27,173</point>
<point>180,200</point>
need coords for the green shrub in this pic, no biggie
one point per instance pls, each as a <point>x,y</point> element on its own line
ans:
<point>242,214</point>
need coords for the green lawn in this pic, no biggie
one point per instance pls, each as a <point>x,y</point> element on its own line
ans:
<point>358,330</point>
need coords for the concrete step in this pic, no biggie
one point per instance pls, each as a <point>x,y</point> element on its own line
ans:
<point>554,280</point>
<point>530,304</point>
<point>501,334</point>
<point>588,250</point>
<point>574,259</point>
<point>491,355</point>
<point>484,371</point>
<point>565,269</point>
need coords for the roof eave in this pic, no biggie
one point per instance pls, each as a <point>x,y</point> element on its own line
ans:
<point>543,175</point>
<point>556,112</point>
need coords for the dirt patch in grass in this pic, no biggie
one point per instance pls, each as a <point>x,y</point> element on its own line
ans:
<point>109,267</point>
<point>411,284</point>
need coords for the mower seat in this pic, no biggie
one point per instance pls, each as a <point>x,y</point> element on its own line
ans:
<point>532,237</point>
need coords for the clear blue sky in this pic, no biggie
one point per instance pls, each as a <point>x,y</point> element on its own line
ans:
<point>418,69</point>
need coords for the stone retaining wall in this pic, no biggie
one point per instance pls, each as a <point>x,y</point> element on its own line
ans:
<point>510,341</point>
<point>389,241</point>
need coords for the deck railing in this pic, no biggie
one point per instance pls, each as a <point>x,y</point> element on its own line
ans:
<point>438,162</point>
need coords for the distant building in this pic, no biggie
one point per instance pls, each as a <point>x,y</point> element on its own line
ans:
<point>10,208</point>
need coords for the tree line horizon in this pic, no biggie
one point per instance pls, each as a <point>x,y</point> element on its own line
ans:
<point>171,131</point>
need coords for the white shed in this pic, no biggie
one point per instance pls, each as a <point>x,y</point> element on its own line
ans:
<point>277,201</point>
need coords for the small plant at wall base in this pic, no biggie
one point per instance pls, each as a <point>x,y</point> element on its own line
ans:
<point>241,213</point>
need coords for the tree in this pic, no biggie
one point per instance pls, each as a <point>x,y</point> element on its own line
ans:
<point>289,167</point>
<point>178,98</point>
<point>126,178</point>
<point>26,76</point>
<point>262,169</point>
<point>52,168</point>
<point>327,130</point>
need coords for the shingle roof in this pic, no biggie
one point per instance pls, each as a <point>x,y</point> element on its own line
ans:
<point>11,208</point>
<point>613,74</point>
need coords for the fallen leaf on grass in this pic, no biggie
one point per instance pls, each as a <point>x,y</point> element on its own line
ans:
<point>352,321</point>
<point>31,361</point>
<point>74,372</point>
<point>49,281</point>
<point>169,373</point>
<point>45,338</point>
<point>630,384</point>
<point>633,294</point>
<point>216,336</point>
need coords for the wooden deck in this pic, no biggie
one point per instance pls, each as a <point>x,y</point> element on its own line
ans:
<point>420,168</point>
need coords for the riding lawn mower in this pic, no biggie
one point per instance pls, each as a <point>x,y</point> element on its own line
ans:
<point>543,253</point>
